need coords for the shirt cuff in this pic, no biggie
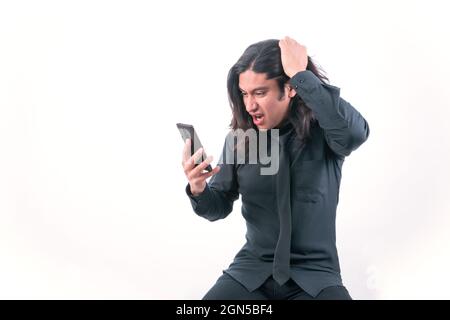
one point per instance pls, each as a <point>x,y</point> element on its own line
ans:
<point>305,80</point>
<point>199,197</point>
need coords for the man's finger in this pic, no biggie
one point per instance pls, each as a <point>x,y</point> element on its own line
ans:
<point>198,155</point>
<point>190,163</point>
<point>211,173</point>
<point>202,166</point>
<point>206,175</point>
<point>186,150</point>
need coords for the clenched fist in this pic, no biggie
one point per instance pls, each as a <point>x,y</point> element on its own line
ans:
<point>293,56</point>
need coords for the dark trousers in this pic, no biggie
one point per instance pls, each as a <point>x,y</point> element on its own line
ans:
<point>227,288</point>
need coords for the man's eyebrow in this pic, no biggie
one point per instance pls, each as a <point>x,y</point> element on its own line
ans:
<point>256,89</point>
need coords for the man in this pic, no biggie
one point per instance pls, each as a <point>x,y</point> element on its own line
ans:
<point>290,252</point>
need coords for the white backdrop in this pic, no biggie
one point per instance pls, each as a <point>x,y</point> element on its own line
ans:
<point>92,202</point>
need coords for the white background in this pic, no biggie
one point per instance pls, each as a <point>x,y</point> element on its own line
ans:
<point>92,202</point>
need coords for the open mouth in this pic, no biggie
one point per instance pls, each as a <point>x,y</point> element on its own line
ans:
<point>257,119</point>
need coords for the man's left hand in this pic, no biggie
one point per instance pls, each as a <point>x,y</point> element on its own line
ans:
<point>293,56</point>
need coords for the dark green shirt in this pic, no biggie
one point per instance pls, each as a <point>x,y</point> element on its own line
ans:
<point>315,171</point>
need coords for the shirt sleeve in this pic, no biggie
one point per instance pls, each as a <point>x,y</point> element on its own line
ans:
<point>216,201</point>
<point>345,128</point>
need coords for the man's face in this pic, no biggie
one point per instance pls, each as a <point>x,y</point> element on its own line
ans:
<point>262,99</point>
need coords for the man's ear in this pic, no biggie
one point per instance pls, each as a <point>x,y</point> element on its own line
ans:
<point>291,91</point>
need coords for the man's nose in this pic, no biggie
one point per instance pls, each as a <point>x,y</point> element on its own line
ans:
<point>250,104</point>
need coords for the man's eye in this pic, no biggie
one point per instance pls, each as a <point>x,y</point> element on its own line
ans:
<point>244,93</point>
<point>259,93</point>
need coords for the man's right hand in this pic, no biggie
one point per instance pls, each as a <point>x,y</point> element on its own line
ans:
<point>195,175</point>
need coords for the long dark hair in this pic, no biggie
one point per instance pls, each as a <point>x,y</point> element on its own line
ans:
<point>265,57</point>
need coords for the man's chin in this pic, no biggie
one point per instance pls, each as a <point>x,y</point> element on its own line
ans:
<point>263,127</point>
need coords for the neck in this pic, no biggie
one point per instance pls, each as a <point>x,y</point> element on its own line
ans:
<point>284,127</point>
<point>282,124</point>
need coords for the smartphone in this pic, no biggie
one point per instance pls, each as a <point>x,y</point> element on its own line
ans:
<point>188,132</point>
